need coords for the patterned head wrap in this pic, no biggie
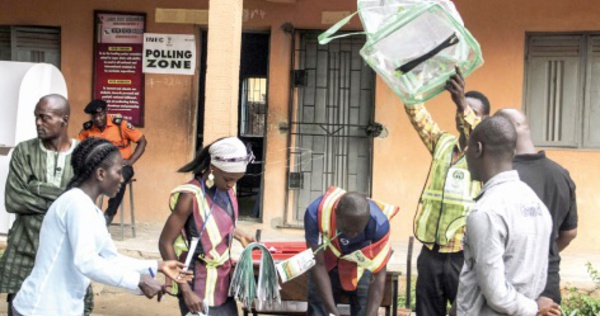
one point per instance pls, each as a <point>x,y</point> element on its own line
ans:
<point>230,155</point>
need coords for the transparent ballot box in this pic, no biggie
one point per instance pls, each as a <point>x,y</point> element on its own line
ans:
<point>414,45</point>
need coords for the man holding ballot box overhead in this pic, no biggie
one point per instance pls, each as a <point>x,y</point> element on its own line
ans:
<point>439,223</point>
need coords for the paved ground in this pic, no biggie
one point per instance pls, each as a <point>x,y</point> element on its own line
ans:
<point>111,301</point>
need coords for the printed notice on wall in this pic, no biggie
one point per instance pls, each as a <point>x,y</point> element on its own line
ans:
<point>169,54</point>
<point>118,77</point>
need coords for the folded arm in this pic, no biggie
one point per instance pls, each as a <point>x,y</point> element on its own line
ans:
<point>24,193</point>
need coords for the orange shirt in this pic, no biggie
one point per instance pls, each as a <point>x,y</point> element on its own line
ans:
<point>121,138</point>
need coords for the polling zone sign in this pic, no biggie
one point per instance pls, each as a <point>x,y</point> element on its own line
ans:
<point>169,54</point>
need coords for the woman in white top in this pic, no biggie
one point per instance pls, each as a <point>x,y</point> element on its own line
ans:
<point>75,245</point>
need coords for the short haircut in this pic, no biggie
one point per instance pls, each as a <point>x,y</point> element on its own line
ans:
<point>59,103</point>
<point>504,114</point>
<point>515,116</point>
<point>353,204</point>
<point>481,97</point>
<point>497,135</point>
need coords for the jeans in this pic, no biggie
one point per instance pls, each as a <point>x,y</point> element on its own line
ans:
<point>358,298</point>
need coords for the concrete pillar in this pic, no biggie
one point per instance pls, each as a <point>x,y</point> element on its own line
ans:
<point>223,69</point>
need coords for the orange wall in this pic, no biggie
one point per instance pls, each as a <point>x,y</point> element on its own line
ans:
<point>499,26</point>
<point>170,104</point>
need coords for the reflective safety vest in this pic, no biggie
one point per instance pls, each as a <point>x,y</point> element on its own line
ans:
<point>351,267</point>
<point>211,270</point>
<point>447,198</point>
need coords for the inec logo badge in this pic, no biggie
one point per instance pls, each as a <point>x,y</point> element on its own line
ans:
<point>458,175</point>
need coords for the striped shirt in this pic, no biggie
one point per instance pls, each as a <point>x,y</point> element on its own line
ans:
<point>28,194</point>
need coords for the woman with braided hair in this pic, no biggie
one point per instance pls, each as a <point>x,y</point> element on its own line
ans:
<point>75,246</point>
<point>207,208</point>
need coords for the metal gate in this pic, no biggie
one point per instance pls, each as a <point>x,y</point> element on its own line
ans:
<point>332,108</point>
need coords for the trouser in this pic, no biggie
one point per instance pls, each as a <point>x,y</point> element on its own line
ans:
<point>9,299</point>
<point>88,303</point>
<point>115,202</point>
<point>229,308</point>
<point>437,280</point>
<point>358,298</point>
<point>13,312</point>
<point>552,289</point>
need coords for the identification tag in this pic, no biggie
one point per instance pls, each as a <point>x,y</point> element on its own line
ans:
<point>457,182</point>
<point>296,265</point>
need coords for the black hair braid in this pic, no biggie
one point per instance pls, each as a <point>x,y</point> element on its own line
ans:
<point>77,159</point>
<point>89,155</point>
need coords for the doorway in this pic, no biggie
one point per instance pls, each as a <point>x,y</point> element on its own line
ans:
<point>252,116</point>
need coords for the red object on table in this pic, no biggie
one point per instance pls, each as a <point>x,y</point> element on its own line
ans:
<point>281,250</point>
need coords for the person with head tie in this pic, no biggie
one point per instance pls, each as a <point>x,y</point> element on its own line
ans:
<point>206,208</point>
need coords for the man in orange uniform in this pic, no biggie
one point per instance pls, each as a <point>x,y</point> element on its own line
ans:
<point>119,132</point>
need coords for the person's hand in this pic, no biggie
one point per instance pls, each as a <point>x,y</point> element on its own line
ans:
<point>244,237</point>
<point>175,270</point>
<point>456,86</point>
<point>150,287</point>
<point>547,307</point>
<point>192,302</point>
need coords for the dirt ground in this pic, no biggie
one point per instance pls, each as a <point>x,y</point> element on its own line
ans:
<point>124,304</point>
<point>114,302</point>
<point>121,304</point>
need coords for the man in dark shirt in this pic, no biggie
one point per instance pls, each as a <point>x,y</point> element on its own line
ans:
<point>554,186</point>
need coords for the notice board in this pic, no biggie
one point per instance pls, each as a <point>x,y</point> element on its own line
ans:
<point>118,77</point>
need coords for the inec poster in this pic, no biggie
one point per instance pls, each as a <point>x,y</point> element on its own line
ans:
<point>118,77</point>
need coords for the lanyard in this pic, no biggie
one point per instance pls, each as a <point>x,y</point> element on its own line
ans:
<point>326,243</point>
<point>207,216</point>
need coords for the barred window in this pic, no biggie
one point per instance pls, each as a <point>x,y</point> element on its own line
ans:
<point>30,44</point>
<point>562,99</point>
<point>253,107</point>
